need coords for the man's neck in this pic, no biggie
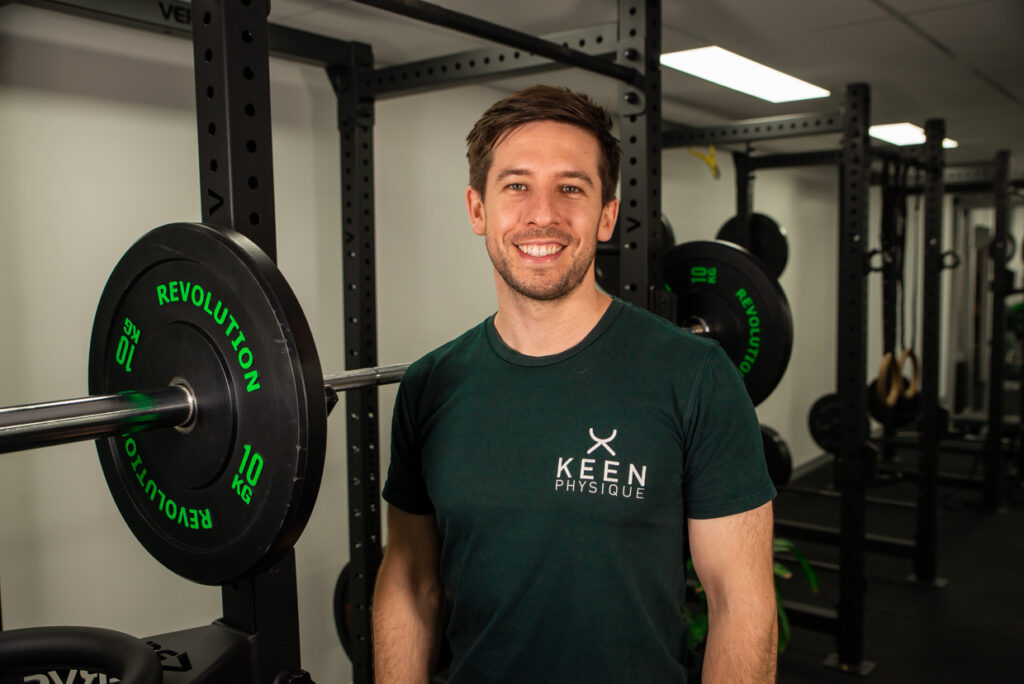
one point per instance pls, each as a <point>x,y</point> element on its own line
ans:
<point>543,328</point>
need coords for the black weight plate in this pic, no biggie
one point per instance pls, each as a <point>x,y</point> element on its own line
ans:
<point>726,287</point>
<point>777,457</point>
<point>226,497</point>
<point>606,264</point>
<point>766,240</point>
<point>825,421</point>
<point>76,654</point>
<point>343,610</point>
<point>1005,248</point>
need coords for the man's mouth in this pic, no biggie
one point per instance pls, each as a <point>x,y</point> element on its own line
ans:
<point>540,250</point>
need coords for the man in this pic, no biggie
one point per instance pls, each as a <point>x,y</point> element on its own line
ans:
<point>549,464</point>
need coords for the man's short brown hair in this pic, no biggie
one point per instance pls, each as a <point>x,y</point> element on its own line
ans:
<point>543,103</point>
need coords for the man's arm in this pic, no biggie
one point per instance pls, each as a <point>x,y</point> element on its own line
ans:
<point>407,600</point>
<point>733,559</point>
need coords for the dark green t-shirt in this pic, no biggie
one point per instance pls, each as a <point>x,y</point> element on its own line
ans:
<point>561,485</point>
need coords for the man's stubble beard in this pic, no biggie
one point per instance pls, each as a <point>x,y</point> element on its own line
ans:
<point>543,291</point>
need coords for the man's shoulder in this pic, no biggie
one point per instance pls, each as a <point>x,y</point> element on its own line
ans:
<point>660,333</point>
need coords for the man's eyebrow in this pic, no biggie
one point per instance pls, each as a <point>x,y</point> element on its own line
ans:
<point>578,175</point>
<point>511,172</point>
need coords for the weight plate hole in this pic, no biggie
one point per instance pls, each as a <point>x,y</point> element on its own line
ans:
<point>190,422</point>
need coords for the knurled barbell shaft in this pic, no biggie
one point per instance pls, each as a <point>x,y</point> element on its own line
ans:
<point>76,420</point>
<point>365,377</point>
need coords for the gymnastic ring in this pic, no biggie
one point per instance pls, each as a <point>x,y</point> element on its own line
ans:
<point>910,390</point>
<point>890,381</point>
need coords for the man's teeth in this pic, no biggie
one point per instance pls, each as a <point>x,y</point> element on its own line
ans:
<point>539,250</point>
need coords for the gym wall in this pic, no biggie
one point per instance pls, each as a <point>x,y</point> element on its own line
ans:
<point>98,146</point>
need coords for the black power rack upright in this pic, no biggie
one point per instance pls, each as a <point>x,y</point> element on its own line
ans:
<point>853,469</point>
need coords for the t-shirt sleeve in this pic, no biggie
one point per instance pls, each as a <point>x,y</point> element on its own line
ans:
<point>405,487</point>
<point>725,470</point>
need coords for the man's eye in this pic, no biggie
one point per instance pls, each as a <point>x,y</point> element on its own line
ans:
<point>571,189</point>
<point>517,186</point>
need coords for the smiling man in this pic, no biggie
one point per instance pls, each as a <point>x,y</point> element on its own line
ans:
<point>550,466</point>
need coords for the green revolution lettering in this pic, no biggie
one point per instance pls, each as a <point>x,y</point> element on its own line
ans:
<point>753,331</point>
<point>183,515</point>
<point>193,293</point>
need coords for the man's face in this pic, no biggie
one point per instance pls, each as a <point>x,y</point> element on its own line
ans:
<point>542,216</point>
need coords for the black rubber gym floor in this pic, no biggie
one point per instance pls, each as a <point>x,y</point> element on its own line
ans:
<point>971,630</point>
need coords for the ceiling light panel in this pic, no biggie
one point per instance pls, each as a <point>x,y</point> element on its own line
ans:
<point>739,73</point>
<point>905,133</point>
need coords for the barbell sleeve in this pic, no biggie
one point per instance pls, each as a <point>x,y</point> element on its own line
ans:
<point>696,325</point>
<point>94,417</point>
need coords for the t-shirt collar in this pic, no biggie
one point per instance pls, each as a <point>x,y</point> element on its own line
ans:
<point>512,356</point>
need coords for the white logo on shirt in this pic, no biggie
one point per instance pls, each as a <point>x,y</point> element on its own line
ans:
<point>602,442</point>
<point>604,477</point>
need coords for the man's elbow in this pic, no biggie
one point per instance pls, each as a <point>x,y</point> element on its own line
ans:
<point>753,604</point>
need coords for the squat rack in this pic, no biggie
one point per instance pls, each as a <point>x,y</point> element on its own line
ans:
<point>983,178</point>
<point>627,50</point>
<point>853,467</point>
<point>993,178</point>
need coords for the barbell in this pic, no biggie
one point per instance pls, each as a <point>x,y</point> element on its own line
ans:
<point>31,426</point>
<point>215,463</point>
<point>204,320</point>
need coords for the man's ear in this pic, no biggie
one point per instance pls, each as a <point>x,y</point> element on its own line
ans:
<point>475,207</point>
<point>606,226</point>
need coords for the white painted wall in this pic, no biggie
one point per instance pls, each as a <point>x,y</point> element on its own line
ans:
<point>97,146</point>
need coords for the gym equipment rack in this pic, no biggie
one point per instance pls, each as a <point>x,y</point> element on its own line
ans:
<point>978,179</point>
<point>991,178</point>
<point>853,469</point>
<point>627,51</point>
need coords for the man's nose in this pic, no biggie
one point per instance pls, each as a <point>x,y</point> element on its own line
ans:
<point>544,209</point>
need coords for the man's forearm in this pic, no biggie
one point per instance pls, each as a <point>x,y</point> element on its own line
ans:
<point>742,645</point>
<point>405,635</point>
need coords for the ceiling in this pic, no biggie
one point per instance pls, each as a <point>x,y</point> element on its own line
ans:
<point>959,60</point>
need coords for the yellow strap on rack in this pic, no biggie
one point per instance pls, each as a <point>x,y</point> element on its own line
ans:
<point>708,158</point>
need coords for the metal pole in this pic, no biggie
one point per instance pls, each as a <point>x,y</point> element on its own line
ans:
<point>926,554</point>
<point>1001,285</point>
<point>74,420</point>
<point>852,466</point>
<point>349,78</point>
<point>77,420</point>
<point>464,23</point>
<point>366,377</point>
<point>639,222</point>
